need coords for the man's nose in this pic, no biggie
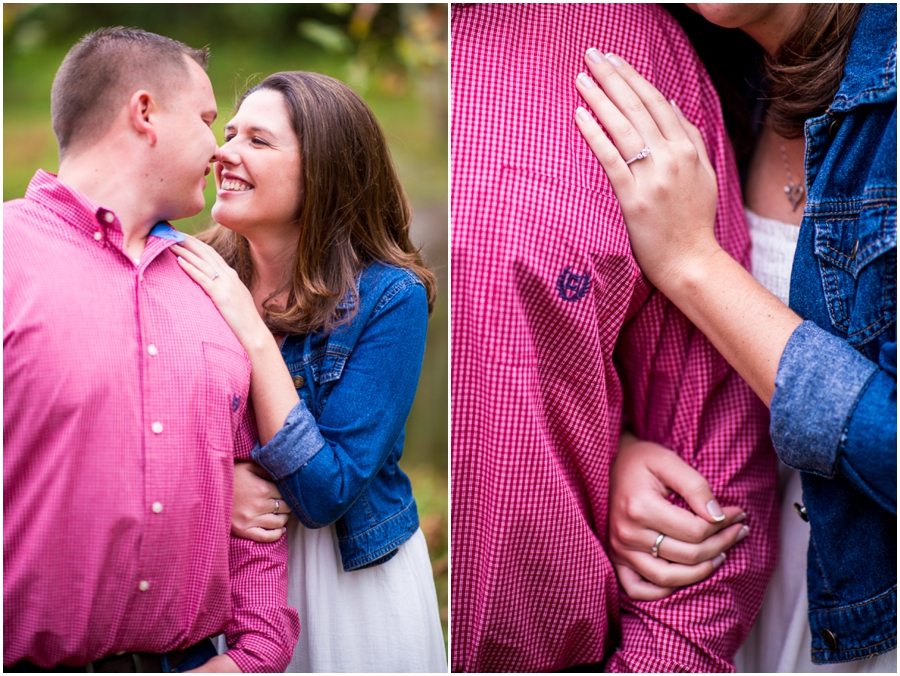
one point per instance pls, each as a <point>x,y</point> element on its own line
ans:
<point>225,157</point>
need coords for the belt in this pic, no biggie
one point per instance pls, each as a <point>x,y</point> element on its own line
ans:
<point>132,663</point>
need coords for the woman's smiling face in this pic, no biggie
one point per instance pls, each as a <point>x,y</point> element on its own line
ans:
<point>258,176</point>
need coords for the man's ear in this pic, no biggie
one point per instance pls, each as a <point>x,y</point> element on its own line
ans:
<point>140,108</point>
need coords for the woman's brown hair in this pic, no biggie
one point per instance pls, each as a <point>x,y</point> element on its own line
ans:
<point>805,75</point>
<point>354,210</point>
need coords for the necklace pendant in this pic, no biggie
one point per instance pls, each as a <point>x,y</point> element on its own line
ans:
<point>794,193</point>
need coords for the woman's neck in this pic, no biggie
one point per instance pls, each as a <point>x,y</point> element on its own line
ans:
<point>272,255</point>
<point>775,27</point>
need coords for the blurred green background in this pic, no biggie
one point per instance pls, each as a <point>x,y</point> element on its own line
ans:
<point>394,56</point>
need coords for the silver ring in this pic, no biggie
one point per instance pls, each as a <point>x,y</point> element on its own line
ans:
<point>645,151</point>
<point>655,549</point>
<point>213,278</point>
<point>277,505</point>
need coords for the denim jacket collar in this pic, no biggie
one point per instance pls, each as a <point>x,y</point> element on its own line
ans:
<point>870,73</point>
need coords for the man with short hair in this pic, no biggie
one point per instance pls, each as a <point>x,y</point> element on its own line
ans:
<point>125,392</point>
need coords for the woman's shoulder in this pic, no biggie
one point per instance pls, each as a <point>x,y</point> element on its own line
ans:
<point>386,281</point>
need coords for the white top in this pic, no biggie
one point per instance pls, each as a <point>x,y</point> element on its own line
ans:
<point>780,639</point>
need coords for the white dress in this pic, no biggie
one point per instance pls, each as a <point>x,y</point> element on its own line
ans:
<point>780,639</point>
<point>379,619</point>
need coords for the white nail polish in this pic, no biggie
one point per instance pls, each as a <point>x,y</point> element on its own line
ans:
<point>614,60</point>
<point>586,80</point>
<point>582,114</point>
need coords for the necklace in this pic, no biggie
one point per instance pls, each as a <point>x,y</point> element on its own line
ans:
<point>794,193</point>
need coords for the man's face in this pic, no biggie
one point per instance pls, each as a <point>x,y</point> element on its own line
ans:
<point>185,146</point>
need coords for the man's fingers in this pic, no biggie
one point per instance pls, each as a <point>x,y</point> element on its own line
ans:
<point>637,588</point>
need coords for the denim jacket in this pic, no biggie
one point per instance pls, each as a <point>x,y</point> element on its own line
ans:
<point>834,412</point>
<point>335,459</point>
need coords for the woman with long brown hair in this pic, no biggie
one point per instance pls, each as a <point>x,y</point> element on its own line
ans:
<point>813,331</point>
<point>312,267</point>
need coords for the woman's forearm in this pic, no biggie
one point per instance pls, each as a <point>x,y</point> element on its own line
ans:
<point>271,387</point>
<point>746,323</point>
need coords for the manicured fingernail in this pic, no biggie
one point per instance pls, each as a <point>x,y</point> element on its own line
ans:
<point>614,60</point>
<point>742,533</point>
<point>740,517</point>
<point>180,259</point>
<point>719,560</point>
<point>594,55</point>
<point>582,114</point>
<point>714,510</point>
<point>586,80</point>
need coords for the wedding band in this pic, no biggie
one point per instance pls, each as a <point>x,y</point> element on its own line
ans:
<point>213,278</point>
<point>645,151</point>
<point>655,549</point>
<point>277,505</point>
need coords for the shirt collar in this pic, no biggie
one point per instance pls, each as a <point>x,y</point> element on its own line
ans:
<point>870,73</point>
<point>71,205</point>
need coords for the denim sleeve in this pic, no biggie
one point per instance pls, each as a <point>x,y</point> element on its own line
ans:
<point>322,466</point>
<point>834,411</point>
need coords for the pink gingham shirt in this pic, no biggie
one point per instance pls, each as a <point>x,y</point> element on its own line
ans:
<point>554,334</point>
<point>125,404</point>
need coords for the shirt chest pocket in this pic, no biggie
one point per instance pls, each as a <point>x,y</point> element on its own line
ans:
<point>227,385</point>
<point>858,264</point>
<point>315,376</point>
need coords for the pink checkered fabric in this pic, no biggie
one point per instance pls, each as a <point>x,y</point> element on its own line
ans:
<point>125,404</point>
<point>554,334</point>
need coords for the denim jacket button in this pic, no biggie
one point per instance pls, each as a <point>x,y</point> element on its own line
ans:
<point>834,126</point>
<point>298,382</point>
<point>830,639</point>
<point>801,511</point>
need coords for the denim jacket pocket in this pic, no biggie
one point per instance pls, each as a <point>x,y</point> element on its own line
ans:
<point>323,365</point>
<point>858,265</point>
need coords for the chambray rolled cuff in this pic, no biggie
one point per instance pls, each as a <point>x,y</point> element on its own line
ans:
<point>293,445</point>
<point>819,385</point>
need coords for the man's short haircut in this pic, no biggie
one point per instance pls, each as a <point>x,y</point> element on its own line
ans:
<point>103,70</point>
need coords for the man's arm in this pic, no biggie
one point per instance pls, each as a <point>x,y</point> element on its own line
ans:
<point>681,393</point>
<point>263,629</point>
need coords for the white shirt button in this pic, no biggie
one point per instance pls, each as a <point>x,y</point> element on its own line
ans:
<point>156,427</point>
<point>109,217</point>
<point>98,235</point>
<point>152,350</point>
<point>144,585</point>
<point>157,507</point>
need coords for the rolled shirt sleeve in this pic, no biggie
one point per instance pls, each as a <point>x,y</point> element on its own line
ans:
<point>835,412</point>
<point>263,630</point>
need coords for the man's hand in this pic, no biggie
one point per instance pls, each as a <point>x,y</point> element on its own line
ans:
<point>220,664</point>
<point>644,474</point>
<point>259,512</point>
